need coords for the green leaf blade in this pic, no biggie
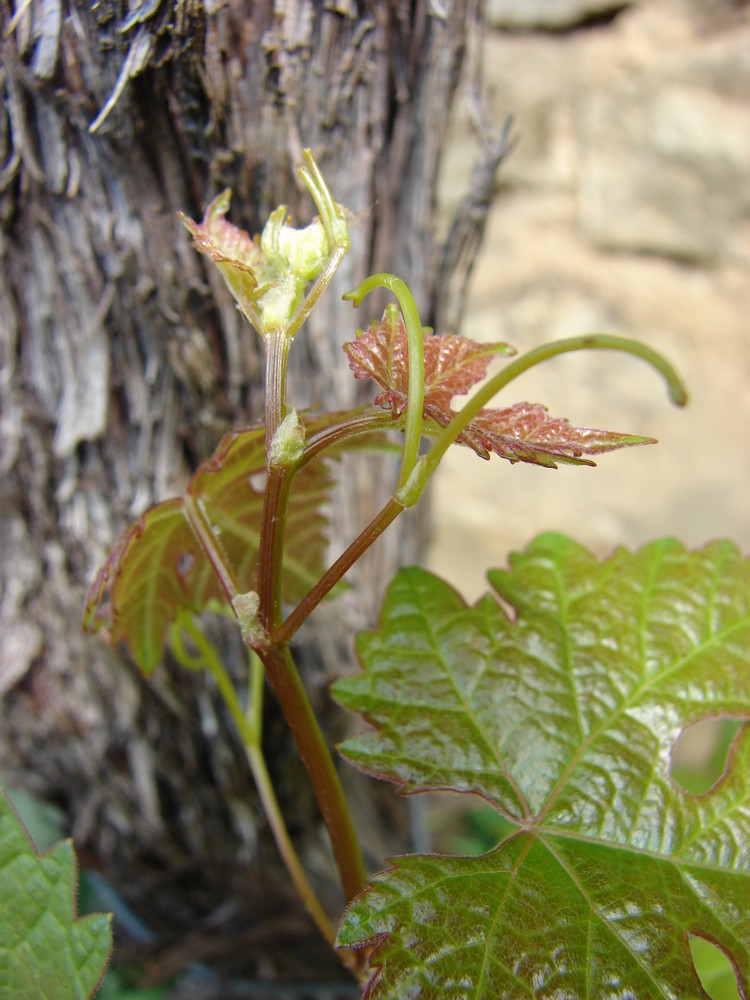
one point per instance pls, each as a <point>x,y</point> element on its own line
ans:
<point>576,699</point>
<point>157,566</point>
<point>45,951</point>
<point>467,931</point>
<point>444,671</point>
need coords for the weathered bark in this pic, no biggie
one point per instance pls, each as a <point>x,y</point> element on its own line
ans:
<point>123,361</point>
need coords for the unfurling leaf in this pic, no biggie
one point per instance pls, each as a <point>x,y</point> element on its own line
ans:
<point>563,717</point>
<point>267,275</point>
<point>46,952</point>
<point>453,365</point>
<point>526,432</point>
<point>238,257</point>
<point>158,567</point>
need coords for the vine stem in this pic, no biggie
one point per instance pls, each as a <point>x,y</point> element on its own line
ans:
<point>277,356</point>
<point>270,554</point>
<point>335,572</point>
<point>276,657</point>
<point>287,686</point>
<point>277,660</point>
<point>248,725</point>
<point>276,493</point>
<point>259,613</point>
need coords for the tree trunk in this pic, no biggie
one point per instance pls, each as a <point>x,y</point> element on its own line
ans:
<point>124,360</point>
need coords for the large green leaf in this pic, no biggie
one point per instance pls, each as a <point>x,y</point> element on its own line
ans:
<point>563,717</point>
<point>45,952</point>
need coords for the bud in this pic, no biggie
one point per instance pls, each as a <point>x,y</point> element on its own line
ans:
<point>246,608</point>
<point>288,442</point>
<point>298,253</point>
<point>268,275</point>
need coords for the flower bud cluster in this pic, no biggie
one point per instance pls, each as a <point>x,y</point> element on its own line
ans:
<point>267,275</point>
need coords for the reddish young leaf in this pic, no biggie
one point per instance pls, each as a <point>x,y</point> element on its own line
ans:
<point>526,432</point>
<point>222,241</point>
<point>238,257</point>
<point>157,567</point>
<point>452,364</point>
<point>521,433</point>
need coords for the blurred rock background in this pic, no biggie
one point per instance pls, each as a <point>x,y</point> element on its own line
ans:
<point>624,208</point>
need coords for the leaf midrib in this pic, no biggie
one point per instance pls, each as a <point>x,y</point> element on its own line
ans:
<point>502,766</point>
<point>608,924</point>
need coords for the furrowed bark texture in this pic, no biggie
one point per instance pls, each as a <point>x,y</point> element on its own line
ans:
<point>124,360</point>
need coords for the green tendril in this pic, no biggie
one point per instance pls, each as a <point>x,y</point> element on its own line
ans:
<point>421,474</point>
<point>415,345</point>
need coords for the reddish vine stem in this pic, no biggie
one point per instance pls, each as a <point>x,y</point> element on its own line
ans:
<point>284,679</point>
<point>277,660</point>
<point>276,493</point>
<point>334,573</point>
<point>271,552</point>
<point>275,655</point>
<point>287,686</point>
<point>350,425</point>
<point>277,355</point>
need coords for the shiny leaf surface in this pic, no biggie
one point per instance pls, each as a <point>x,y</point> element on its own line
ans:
<point>562,716</point>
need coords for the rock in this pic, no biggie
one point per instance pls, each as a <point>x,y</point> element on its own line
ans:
<point>549,15</point>
<point>719,63</point>
<point>663,170</point>
<point>625,208</point>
